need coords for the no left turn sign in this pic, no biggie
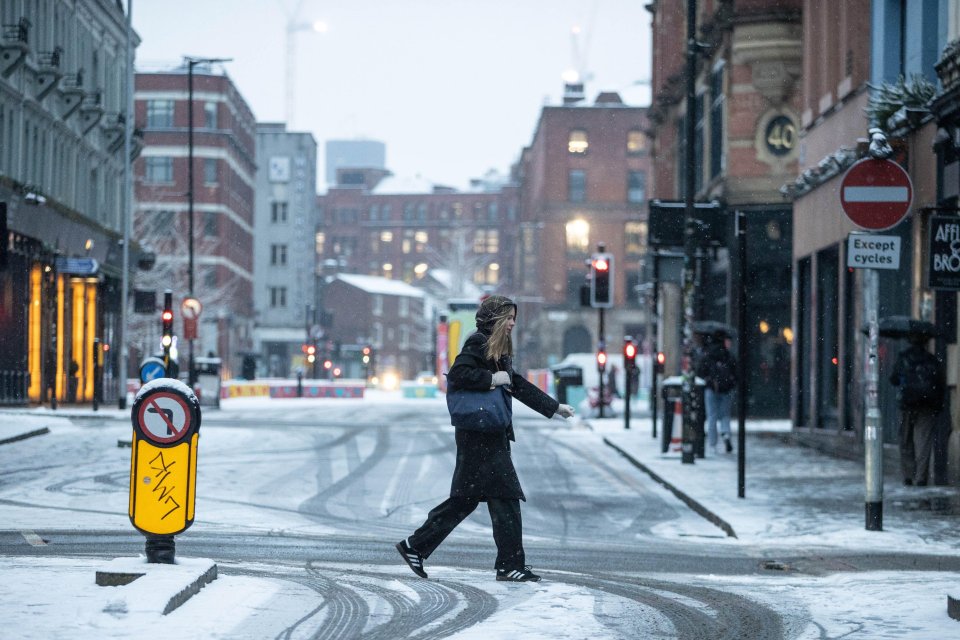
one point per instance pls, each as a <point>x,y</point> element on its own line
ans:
<point>166,412</point>
<point>164,417</point>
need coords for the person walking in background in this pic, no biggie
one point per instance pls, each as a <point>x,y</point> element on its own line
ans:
<point>718,368</point>
<point>484,471</point>
<point>921,381</point>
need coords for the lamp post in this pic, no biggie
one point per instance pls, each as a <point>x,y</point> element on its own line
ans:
<point>191,63</point>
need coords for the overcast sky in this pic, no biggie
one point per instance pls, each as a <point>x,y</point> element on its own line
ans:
<point>453,87</point>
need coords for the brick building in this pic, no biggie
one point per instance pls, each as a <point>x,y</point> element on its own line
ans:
<point>841,64</point>
<point>583,182</point>
<point>224,171</point>
<point>745,146</point>
<point>389,315</point>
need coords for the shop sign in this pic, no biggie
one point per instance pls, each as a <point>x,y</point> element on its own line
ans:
<point>943,269</point>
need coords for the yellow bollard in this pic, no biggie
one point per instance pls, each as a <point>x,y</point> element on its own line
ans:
<point>163,464</point>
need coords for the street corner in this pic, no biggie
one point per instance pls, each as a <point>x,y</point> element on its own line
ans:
<point>153,587</point>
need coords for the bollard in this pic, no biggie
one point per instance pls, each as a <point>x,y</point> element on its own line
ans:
<point>163,465</point>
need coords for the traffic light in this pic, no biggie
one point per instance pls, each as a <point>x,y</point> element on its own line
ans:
<point>601,360</point>
<point>659,361</point>
<point>167,319</point>
<point>601,272</point>
<point>367,352</point>
<point>629,353</point>
<point>311,353</point>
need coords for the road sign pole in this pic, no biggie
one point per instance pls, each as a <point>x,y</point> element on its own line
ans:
<point>872,435</point>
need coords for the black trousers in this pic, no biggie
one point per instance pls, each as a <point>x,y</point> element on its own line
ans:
<point>444,518</point>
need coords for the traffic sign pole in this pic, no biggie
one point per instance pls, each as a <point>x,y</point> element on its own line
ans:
<point>875,194</point>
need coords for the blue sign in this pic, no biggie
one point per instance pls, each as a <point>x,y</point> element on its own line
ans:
<point>151,369</point>
<point>77,266</point>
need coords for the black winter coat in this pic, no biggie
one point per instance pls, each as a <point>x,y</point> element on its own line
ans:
<point>484,468</point>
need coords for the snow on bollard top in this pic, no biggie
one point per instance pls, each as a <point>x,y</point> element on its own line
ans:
<point>171,385</point>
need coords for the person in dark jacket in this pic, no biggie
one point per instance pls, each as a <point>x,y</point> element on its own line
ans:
<point>718,368</point>
<point>920,397</point>
<point>484,471</point>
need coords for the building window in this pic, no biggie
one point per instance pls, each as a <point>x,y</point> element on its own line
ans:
<point>278,296</point>
<point>374,212</point>
<point>386,237</point>
<point>577,185</point>
<point>408,212</point>
<point>578,236</point>
<point>404,341</point>
<point>319,241</point>
<point>159,114</point>
<point>278,254</point>
<point>164,219</point>
<point>486,241</point>
<point>492,212</point>
<point>636,186</point>
<point>209,171</point>
<point>577,142</point>
<point>377,305</point>
<point>210,224</point>
<point>159,170</point>
<point>210,115</point>
<point>210,278</point>
<point>636,142</point>
<point>278,212</point>
<point>717,102</point>
<point>403,307</point>
<point>422,212</point>
<point>635,234</point>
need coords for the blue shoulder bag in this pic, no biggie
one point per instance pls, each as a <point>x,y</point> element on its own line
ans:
<point>487,411</point>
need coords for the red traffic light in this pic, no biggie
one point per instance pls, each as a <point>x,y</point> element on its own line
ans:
<point>629,353</point>
<point>167,315</point>
<point>311,349</point>
<point>601,264</point>
<point>602,358</point>
<point>661,358</point>
<point>366,351</point>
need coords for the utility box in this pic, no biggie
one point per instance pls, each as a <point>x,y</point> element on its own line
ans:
<point>208,381</point>
<point>564,377</point>
<point>672,392</point>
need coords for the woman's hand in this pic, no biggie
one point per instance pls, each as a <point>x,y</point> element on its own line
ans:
<point>500,378</point>
<point>564,411</point>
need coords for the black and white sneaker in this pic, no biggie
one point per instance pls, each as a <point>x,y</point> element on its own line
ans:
<point>517,575</point>
<point>412,558</point>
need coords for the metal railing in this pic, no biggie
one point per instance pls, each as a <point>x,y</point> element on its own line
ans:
<point>13,387</point>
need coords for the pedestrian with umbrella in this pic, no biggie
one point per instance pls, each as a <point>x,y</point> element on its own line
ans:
<point>920,378</point>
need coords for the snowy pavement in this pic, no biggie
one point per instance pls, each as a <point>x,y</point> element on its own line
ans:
<point>797,502</point>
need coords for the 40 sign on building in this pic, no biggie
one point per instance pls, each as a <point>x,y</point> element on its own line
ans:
<point>943,271</point>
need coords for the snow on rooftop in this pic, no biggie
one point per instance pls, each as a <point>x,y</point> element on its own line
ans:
<point>383,286</point>
<point>403,185</point>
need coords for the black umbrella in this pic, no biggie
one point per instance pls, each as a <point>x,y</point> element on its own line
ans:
<point>713,328</point>
<point>906,327</point>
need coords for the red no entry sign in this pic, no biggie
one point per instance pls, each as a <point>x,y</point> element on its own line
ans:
<point>876,194</point>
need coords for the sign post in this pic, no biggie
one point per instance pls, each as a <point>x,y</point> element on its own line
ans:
<point>875,195</point>
<point>163,466</point>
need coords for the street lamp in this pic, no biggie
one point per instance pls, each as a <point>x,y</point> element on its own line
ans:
<point>293,26</point>
<point>191,63</point>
